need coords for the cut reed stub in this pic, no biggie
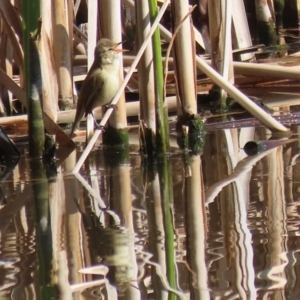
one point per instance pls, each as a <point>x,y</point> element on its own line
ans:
<point>254,147</point>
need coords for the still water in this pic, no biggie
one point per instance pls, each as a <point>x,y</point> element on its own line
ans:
<point>219,225</point>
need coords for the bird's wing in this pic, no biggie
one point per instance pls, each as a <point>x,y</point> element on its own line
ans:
<point>93,89</point>
<point>90,88</point>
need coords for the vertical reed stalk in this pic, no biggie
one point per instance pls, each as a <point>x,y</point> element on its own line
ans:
<point>279,7</point>
<point>146,80</point>
<point>36,135</point>
<point>162,127</point>
<point>62,51</point>
<point>184,58</point>
<point>241,32</point>
<point>203,23</point>
<point>92,41</point>
<point>220,35</point>
<point>111,27</point>
<point>92,30</point>
<point>291,13</point>
<point>227,68</point>
<point>6,64</point>
<point>49,73</point>
<point>265,23</point>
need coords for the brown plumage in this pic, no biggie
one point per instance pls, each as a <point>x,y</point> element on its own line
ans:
<point>102,81</point>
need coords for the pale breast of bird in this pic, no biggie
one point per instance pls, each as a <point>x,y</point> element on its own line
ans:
<point>111,84</point>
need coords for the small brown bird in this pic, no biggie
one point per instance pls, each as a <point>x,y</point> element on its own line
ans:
<point>102,81</point>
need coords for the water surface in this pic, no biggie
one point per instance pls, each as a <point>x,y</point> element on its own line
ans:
<point>218,225</point>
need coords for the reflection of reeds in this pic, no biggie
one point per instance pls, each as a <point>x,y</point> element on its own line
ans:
<point>267,237</point>
<point>167,202</point>
<point>242,167</point>
<point>44,239</point>
<point>161,240</point>
<point>244,244</point>
<point>276,216</point>
<point>196,228</point>
<point>156,230</point>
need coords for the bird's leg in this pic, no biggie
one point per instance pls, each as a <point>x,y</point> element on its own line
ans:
<point>114,106</point>
<point>98,126</point>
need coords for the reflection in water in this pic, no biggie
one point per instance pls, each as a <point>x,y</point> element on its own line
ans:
<point>44,250</point>
<point>212,226</point>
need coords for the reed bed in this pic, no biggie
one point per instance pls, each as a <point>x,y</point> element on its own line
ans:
<point>66,35</point>
<point>140,230</point>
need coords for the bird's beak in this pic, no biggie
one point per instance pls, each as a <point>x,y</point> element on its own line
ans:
<point>119,50</point>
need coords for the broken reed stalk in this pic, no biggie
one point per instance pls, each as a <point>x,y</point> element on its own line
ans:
<point>67,116</point>
<point>121,89</point>
<point>253,69</point>
<point>251,107</point>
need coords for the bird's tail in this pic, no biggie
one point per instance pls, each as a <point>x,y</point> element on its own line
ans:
<point>72,130</point>
<point>78,117</point>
